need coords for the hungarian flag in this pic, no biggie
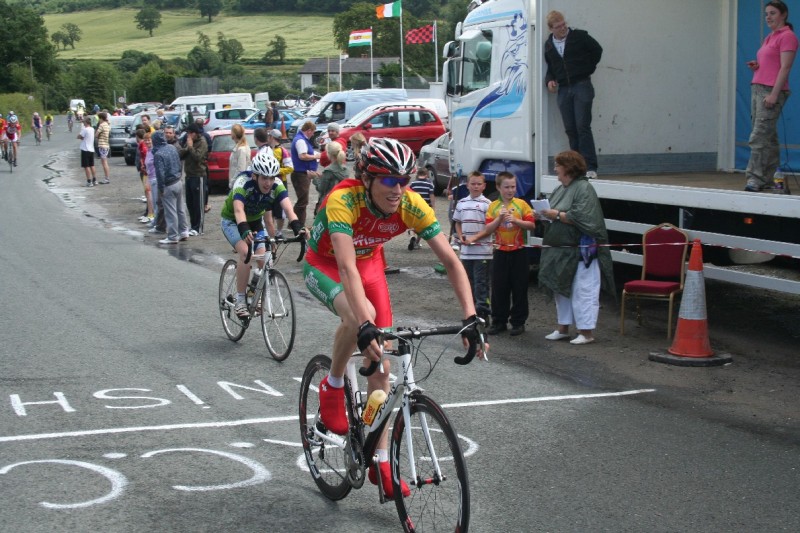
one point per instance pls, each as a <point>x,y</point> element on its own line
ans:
<point>395,9</point>
<point>420,35</point>
<point>360,38</point>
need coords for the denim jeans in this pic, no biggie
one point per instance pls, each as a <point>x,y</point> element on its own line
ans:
<point>575,103</point>
<point>479,272</point>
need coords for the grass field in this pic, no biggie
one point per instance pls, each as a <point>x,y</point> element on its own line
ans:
<point>108,33</point>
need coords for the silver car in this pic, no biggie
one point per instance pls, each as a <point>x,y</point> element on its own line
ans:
<point>220,119</point>
<point>119,133</point>
<point>436,158</point>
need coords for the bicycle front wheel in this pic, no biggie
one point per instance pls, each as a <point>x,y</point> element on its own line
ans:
<point>233,325</point>
<point>277,316</point>
<point>326,461</point>
<point>439,499</point>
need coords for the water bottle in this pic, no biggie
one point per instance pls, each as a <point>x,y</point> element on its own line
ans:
<point>374,403</point>
<point>251,288</point>
<point>780,182</point>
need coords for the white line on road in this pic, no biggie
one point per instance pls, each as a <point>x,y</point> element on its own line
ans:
<point>270,420</point>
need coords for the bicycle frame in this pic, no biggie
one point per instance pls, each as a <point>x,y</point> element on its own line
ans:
<point>400,392</point>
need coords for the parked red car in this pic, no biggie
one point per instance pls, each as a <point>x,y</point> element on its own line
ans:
<point>413,124</point>
<point>220,153</point>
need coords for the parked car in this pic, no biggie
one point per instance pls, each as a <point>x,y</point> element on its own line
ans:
<point>119,133</point>
<point>256,120</point>
<point>415,125</point>
<point>436,158</point>
<point>217,119</point>
<point>177,119</point>
<point>220,153</point>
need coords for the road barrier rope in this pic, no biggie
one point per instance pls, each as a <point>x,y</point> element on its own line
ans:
<point>641,245</point>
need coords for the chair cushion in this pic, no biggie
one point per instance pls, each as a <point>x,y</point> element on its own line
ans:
<point>645,286</point>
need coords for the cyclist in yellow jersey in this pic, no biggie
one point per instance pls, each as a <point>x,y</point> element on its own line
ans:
<point>345,270</point>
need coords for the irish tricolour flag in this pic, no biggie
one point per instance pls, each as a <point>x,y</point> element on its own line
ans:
<point>395,9</point>
<point>360,38</point>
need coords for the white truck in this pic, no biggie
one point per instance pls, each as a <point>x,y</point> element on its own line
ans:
<point>671,120</point>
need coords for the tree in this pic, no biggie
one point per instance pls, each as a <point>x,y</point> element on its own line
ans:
<point>132,60</point>
<point>231,50</point>
<point>60,38</point>
<point>73,33</point>
<point>148,19</point>
<point>209,8</point>
<point>152,84</point>
<point>276,49</point>
<point>24,36</point>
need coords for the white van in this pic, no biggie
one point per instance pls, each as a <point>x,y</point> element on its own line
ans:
<point>199,104</point>
<point>75,103</point>
<point>342,106</point>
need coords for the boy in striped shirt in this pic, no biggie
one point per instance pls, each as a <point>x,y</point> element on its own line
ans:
<point>423,186</point>
<point>469,218</point>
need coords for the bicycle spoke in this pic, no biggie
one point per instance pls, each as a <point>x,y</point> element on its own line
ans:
<point>326,462</point>
<point>278,316</point>
<point>233,325</point>
<point>439,499</point>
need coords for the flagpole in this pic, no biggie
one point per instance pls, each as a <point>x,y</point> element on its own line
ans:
<point>436,50</point>
<point>402,70</point>
<point>371,74</point>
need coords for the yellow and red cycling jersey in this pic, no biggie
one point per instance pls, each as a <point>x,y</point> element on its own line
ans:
<point>508,237</point>
<point>346,210</point>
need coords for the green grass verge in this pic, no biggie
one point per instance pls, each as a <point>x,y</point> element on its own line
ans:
<point>108,33</point>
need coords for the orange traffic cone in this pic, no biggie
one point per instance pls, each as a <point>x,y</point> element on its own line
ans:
<point>691,346</point>
<point>283,129</point>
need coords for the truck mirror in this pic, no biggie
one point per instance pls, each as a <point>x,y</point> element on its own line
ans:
<point>449,49</point>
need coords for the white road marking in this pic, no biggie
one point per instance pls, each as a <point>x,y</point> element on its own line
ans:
<point>271,420</point>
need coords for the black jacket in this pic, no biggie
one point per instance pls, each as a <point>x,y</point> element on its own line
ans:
<point>581,56</point>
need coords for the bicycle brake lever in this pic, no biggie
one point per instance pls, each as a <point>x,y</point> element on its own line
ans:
<point>373,365</point>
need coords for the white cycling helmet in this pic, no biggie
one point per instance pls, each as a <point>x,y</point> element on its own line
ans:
<point>265,164</point>
<point>12,118</point>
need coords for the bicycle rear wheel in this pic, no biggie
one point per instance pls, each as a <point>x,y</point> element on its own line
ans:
<point>233,325</point>
<point>437,502</point>
<point>326,462</point>
<point>277,315</point>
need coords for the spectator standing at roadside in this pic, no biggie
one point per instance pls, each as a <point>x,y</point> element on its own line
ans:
<point>333,173</point>
<point>103,133</point>
<point>276,117</point>
<point>573,268</point>
<point>200,122</point>
<point>572,56</point>
<point>476,254</point>
<point>508,218</point>
<point>240,155</point>
<point>769,92</point>
<point>167,164</point>
<point>305,162</point>
<point>422,185</point>
<point>159,224</point>
<point>357,142</point>
<point>141,155</point>
<point>194,154</point>
<point>333,136</point>
<point>284,158</point>
<point>86,136</point>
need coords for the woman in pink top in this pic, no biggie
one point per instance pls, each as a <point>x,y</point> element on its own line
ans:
<point>769,91</point>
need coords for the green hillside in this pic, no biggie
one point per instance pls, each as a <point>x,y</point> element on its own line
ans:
<point>107,33</point>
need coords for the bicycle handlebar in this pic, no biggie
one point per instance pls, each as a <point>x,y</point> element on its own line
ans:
<point>414,333</point>
<point>301,238</point>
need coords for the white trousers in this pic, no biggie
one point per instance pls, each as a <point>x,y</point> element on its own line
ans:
<point>583,306</point>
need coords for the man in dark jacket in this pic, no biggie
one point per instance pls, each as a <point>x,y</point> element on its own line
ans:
<point>167,163</point>
<point>194,154</point>
<point>572,56</point>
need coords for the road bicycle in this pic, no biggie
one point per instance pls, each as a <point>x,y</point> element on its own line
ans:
<point>37,133</point>
<point>424,447</point>
<point>268,296</point>
<point>49,130</point>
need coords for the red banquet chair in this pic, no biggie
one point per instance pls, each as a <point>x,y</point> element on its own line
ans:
<point>663,270</point>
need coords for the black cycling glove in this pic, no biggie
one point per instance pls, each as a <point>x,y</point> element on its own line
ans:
<point>471,327</point>
<point>296,227</point>
<point>366,333</point>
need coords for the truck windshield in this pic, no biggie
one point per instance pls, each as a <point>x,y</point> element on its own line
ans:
<point>477,64</point>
